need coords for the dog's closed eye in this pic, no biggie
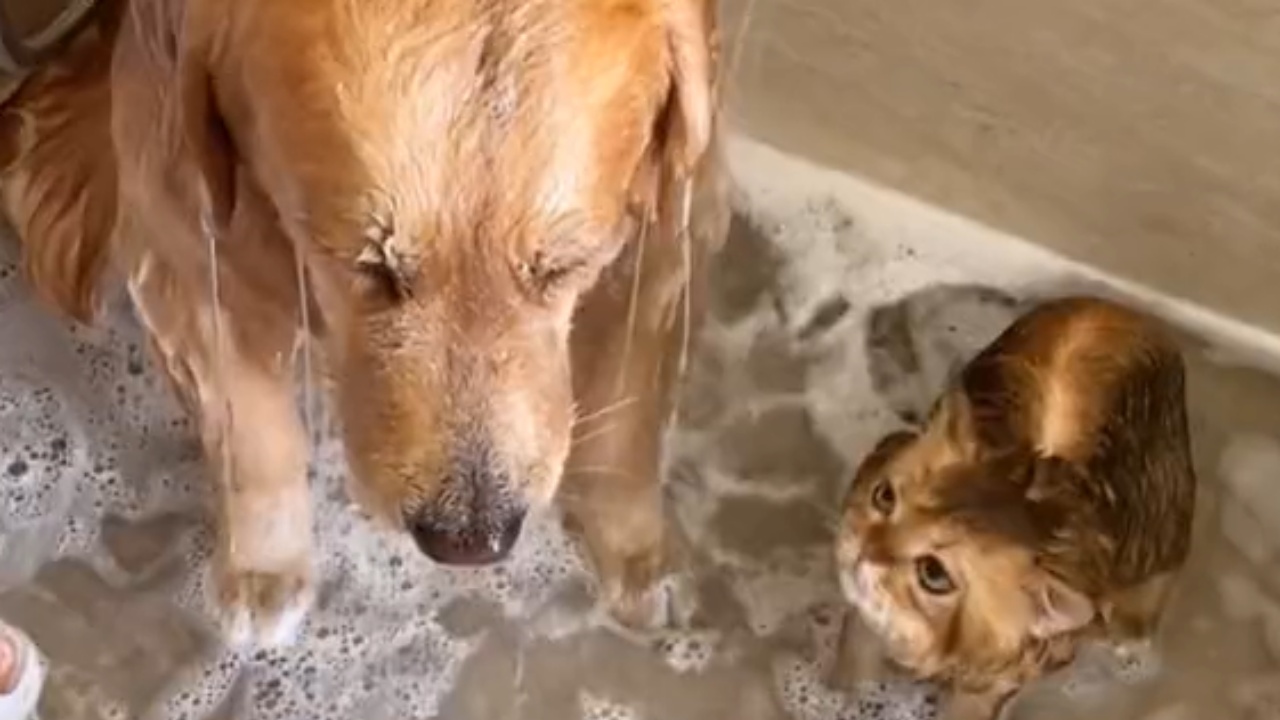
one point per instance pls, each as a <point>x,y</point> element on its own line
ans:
<point>573,258</point>
<point>382,263</point>
<point>545,273</point>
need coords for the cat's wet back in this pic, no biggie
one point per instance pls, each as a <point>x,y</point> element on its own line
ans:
<point>1047,500</point>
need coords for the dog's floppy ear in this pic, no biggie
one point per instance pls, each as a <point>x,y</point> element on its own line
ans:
<point>690,114</point>
<point>205,137</point>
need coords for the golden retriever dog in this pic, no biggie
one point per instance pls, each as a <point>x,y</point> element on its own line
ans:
<point>493,218</point>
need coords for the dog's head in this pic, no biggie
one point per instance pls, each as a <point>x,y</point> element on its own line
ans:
<point>455,174</point>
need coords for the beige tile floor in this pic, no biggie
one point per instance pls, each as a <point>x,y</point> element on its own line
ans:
<point>104,534</point>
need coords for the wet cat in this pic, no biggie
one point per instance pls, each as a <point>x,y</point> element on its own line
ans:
<point>1047,500</point>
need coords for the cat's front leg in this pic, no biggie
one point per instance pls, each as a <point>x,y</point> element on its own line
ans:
<point>859,656</point>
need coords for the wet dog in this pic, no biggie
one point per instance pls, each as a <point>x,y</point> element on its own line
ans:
<point>492,217</point>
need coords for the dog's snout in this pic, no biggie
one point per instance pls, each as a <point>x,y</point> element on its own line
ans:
<point>479,544</point>
<point>475,519</point>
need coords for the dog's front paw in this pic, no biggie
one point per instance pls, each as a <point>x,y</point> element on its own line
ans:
<point>263,609</point>
<point>643,596</point>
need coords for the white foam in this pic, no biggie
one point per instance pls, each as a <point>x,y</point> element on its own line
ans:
<point>805,696</point>
<point>599,708</point>
<point>956,248</point>
<point>689,652</point>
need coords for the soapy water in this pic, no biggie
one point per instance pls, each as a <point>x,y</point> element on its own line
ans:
<point>91,431</point>
<point>806,694</point>
<point>596,708</point>
<point>1097,675</point>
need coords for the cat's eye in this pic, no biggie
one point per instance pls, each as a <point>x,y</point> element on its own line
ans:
<point>933,576</point>
<point>883,498</point>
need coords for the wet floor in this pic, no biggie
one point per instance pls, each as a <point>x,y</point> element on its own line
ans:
<point>824,289</point>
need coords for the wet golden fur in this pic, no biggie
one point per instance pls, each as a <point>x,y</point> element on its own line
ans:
<point>1053,484</point>
<point>480,195</point>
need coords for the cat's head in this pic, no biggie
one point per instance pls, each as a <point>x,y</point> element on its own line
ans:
<point>948,551</point>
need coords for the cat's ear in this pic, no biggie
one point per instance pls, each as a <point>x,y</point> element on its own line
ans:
<point>1057,608</point>
<point>1049,478</point>
<point>882,454</point>
<point>952,426</point>
<point>891,444</point>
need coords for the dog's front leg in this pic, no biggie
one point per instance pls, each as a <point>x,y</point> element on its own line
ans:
<point>630,335</point>
<point>234,373</point>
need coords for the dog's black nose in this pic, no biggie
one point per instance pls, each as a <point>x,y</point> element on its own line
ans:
<point>481,543</point>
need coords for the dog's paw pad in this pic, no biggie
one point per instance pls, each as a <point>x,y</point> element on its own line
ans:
<point>263,609</point>
<point>645,602</point>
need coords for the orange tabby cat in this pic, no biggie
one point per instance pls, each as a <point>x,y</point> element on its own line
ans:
<point>1049,499</point>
